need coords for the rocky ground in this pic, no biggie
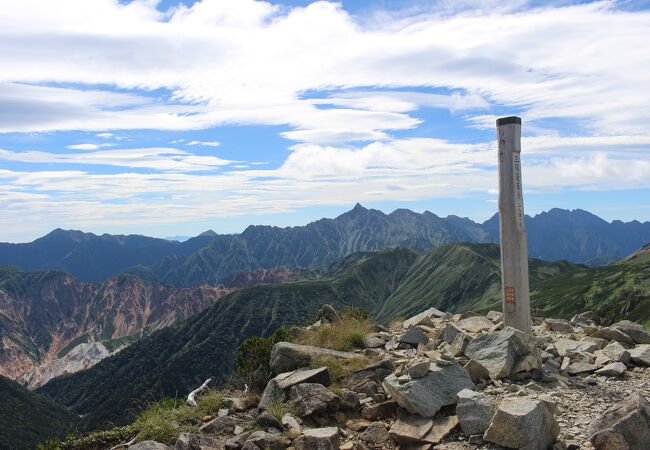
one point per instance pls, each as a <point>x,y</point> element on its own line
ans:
<point>448,382</point>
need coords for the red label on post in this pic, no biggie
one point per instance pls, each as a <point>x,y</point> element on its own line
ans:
<point>510,295</point>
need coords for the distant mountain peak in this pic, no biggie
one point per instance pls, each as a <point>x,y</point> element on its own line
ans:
<point>210,233</point>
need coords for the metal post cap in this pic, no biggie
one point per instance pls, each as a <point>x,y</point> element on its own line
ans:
<point>509,120</point>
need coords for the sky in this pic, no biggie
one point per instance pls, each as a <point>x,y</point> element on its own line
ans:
<point>170,117</point>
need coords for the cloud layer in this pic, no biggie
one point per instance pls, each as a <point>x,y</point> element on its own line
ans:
<point>345,89</point>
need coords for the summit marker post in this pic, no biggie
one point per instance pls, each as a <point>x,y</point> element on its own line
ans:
<point>512,231</point>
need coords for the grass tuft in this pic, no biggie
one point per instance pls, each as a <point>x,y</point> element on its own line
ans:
<point>345,336</point>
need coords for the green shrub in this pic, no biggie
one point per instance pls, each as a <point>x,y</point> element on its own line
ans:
<point>255,352</point>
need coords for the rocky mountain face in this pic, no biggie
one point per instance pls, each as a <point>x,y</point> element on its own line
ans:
<point>45,314</point>
<point>443,381</point>
<point>390,284</point>
<point>576,236</point>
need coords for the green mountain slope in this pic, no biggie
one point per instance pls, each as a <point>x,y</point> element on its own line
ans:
<point>390,284</point>
<point>27,418</point>
<point>458,277</point>
<point>620,290</point>
<point>176,359</point>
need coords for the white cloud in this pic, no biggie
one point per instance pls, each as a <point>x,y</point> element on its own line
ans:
<point>87,146</point>
<point>162,159</point>
<point>205,143</point>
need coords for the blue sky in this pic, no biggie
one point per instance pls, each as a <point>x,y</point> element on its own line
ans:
<point>169,118</point>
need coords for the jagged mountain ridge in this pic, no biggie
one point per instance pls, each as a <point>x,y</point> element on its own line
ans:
<point>577,236</point>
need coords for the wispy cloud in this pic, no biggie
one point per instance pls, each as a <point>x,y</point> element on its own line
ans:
<point>205,143</point>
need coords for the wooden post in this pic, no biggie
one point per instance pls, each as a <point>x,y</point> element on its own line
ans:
<point>514,244</point>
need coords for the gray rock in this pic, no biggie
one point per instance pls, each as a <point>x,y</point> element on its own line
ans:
<point>474,411</point>
<point>286,357</point>
<point>238,441</point>
<point>613,334</point>
<point>291,426</point>
<point>190,441</point>
<point>424,318</point>
<point>264,441</point>
<point>374,340</point>
<point>418,368</point>
<point>220,425</point>
<point>318,439</point>
<point>312,398</point>
<point>476,371</point>
<point>523,423</point>
<point>601,343</point>
<point>268,420</point>
<point>372,372</point>
<point>616,352</point>
<point>272,394</point>
<point>494,316</point>
<point>475,324</point>
<point>425,396</point>
<point>640,355</point>
<point>559,325</point>
<point>149,445</point>
<point>449,333</point>
<point>634,330</point>
<point>580,367</point>
<point>277,388</point>
<point>379,411</point>
<point>615,369</point>
<point>460,343</point>
<point>375,433</point>
<point>626,426</point>
<point>413,336</point>
<point>505,351</point>
<point>328,314</point>
<point>412,430</point>
<point>568,346</point>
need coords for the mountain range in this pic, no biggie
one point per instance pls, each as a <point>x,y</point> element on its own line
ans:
<point>577,236</point>
<point>390,284</point>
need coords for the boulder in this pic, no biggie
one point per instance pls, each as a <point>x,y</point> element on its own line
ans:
<point>375,433</point>
<point>379,411</point>
<point>286,357</point>
<point>616,352</point>
<point>425,396</point>
<point>417,368</point>
<point>568,346</point>
<point>626,426</point>
<point>523,423</point>
<point>268,420</point>
<point>412,429</point>
<point>149,445</point>
<point>413,337</point>
<point>220,425</point>
<point>190,441</point>
<point>372,372</point>
<point>613,334</point>
<point>476,371</point>
<point>640,355</point>
<point>238,441</point>
<point>474,411</point>
<point>449,333</point>
<point>559,325</point>
<point>501,352</point>
<point>599,342</point>
<point>579,367</point>
<point>313,398</point>
<point>318,439</point>
<point>475,324</point>
<point>264,441</point>
<point>291,426</point>
<point>494,316</point>
<point>615,369</point>
<point>460,343</point>
<point>424,318</point>
<point>276,389</point>
<point>236,404</point>
<point>634,330</point>
<point>374,340</point>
